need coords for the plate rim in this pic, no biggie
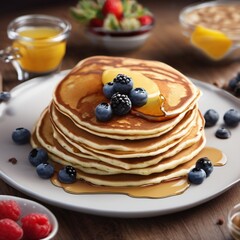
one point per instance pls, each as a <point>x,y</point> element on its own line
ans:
<point>109,212</point>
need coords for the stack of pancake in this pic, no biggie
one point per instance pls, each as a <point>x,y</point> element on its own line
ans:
<point>131,150</point>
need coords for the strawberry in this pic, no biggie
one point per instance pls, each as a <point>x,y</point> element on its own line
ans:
<point>9,209</point>
<point>145,20</point>
<point>114,7</point>
<point>10,230</point>
<point>36,226</point>
<point>96,22</point>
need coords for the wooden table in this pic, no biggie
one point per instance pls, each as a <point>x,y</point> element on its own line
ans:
<point>165,44</point>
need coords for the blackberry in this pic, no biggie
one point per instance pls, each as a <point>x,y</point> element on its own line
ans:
<point>120,103</point>
<point>122,84</point>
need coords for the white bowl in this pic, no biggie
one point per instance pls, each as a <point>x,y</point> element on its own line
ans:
<point>28,206</point>
<point>231,28</point>
<point>119,40</point>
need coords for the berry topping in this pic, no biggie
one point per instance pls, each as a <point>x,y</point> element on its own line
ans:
<point>103,112</point>
<point>67,174</point>
<point>21,136</point>
<point>10,230</point>
<point>138,97</point>
<point>122,84</point>
<point>37,156</point>
<point>45,170</point>
<point>145,20</point>
<point>108,90</point>
<point>4,96</point>
<point>205,164</point>
<point>36,226</point>
<point>9,209</point>
<point>196,175</point>
<point>112,15</point>
<point>223,133</point>
<point>114,7</point>
<point>120,104</point>
<point>96,22</point>
<point>232,118</point>
<point>211,117</point>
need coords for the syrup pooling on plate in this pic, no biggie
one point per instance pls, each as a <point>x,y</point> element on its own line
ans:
<point>164,189</point>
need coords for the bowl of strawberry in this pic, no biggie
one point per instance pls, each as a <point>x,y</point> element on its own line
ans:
<point>114,24</point>
<point>25,219</point>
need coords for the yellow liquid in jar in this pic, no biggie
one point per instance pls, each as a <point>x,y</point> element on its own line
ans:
<point>41,54</point>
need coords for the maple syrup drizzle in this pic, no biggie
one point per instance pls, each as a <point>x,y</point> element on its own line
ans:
<point>161,190</point>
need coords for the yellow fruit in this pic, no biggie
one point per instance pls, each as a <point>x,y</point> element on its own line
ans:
<point>213,43</point>
<point>154,102</point>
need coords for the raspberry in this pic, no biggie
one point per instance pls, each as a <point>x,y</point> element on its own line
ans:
<point>10,230</point>
<point>120,104</point>
<point>9,209</point>
<point>36,226</point>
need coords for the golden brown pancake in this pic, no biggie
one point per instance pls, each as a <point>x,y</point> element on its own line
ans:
<point>131,150</point>
<point>81,89</point>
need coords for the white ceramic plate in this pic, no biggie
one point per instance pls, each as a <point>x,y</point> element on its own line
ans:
<point>30,98</point>
<point>28,206</point>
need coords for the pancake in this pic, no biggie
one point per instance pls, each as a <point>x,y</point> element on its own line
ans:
<point>70,131</point>
<point>79,105</point>
<point>45,136</point>
<point>140,148</point>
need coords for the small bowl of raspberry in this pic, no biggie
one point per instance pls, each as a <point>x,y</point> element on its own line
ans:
<point>114,24</point>
<point>25,219</point>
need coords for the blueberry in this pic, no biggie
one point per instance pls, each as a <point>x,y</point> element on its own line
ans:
<point>45,170</point>
<point>103,112</point>
<point>196,175</point>
<point>223,133</point>
<point>21,135</point>
<point>122,84</point>
<point>237,90</point>
<point>211,117</point>
<point>38,156</point>
<point>234,81</point>
<point>232,118</point>
<point>121,104</point>
<point>67,174</point>
<point>5,96</point>
<point>108,90</point>
<point>205,164</point>
<point>138,97</point>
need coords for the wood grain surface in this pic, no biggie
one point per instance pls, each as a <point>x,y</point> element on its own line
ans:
<point>204,222</point>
